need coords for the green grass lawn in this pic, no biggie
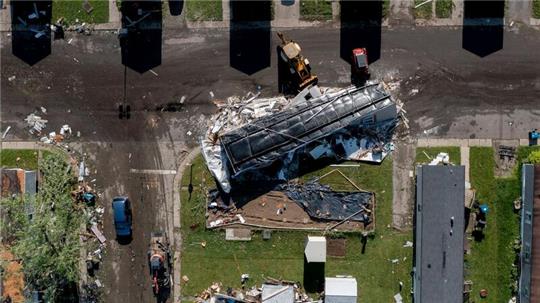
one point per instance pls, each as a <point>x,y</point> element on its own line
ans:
<point>385,9</point>
<point>423,12</point>
<point>495,250</point>
<point>72,10</point>
<point>443,8</point>
<point>311,10</point>
<point>282,256</point>
<point>536,9</point>
<point>204,10</point>
<point>453,152</point>
<point>28,158</point>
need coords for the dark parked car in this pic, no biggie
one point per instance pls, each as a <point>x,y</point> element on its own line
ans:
<point>122,216</point>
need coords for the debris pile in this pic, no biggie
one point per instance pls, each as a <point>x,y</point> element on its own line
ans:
<point>276,142</point>
<point>272,290</point>
<point>36,123</point>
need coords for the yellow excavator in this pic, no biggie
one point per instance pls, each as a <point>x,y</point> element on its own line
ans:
<point>299,76</point>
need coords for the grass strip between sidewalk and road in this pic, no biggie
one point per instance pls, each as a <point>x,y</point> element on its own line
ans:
<point>443,8</point>
<point>204,10</point>
<point>72,10</point>
<point>315,10</point>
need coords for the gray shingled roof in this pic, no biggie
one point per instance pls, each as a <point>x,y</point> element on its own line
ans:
<point>438,265</point>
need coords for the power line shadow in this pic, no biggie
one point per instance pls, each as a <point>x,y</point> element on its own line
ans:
<point>140,36</point>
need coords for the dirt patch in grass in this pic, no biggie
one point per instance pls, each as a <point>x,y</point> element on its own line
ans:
<point>336,247</point>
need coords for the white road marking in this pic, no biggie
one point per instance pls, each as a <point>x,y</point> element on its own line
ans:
<point>153,171</point>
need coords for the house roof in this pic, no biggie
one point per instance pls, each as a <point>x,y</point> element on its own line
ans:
<point>315,249</point>
<point>529,288</point>
<point>438,268</point>
<point>343,287</point>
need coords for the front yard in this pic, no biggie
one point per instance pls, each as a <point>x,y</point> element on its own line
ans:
<point>282,256</point>
<point>73,10</point>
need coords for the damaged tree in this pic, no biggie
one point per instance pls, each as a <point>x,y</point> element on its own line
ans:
<point>47,238</point>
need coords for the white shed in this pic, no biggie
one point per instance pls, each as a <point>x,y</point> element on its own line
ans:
<point>315,249</point>
<point>340,290</point>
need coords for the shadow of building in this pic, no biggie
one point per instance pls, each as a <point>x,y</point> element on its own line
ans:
<point>31,32</point>
<point>175,7</point>
<point>313,276</point>
<point>140,36</point>
<point>249,44</point>
<point>483,25</point>
<point>361,22</point>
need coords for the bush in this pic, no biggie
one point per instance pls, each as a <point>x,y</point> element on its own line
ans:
<point>536,9</point>
<point>443,8</point>
<point>534,157</point>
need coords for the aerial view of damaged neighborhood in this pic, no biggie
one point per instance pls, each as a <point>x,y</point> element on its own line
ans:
<point>270,151</point>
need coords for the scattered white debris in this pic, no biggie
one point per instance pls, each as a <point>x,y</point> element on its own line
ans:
<point>408,244</point>
<point>76,60</point>
<point>154,73</point>
<point>35,123</point>
<point>189,133</point>
<point>98,283</point>
<point>414,91</point>
<point>11,78</point>
<point>70,40</point>
<point>43,109</point>
<point>443,158</point>
<point>211,93</point>
<point>65,130</point>
<point>5,132</point>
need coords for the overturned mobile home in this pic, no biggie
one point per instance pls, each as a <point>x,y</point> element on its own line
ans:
<point>353,123</point>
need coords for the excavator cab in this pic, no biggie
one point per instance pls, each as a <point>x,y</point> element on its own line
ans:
<point>299,76</point>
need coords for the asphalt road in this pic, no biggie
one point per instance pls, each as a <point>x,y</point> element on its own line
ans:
<point>460,95</point>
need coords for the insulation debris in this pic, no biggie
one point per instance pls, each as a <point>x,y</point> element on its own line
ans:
<point>36,123</point>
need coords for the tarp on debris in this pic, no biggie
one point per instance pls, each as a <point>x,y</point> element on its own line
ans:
<point>322,203</point>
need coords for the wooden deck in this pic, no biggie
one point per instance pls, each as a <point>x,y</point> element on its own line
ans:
<point>535,271</point>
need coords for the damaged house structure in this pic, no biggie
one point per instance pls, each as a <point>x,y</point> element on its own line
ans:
<point>355,123</point>
<point>257,145</point>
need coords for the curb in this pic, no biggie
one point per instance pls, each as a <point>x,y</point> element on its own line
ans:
<point>176,233</point>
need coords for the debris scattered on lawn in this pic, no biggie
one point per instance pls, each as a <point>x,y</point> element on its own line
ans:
<point>443,158</point>
<point>272,290</point>
<point>408,244</point>
<point>185,278</point>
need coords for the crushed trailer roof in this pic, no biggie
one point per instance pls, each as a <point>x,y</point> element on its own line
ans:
<point>266,139</point>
